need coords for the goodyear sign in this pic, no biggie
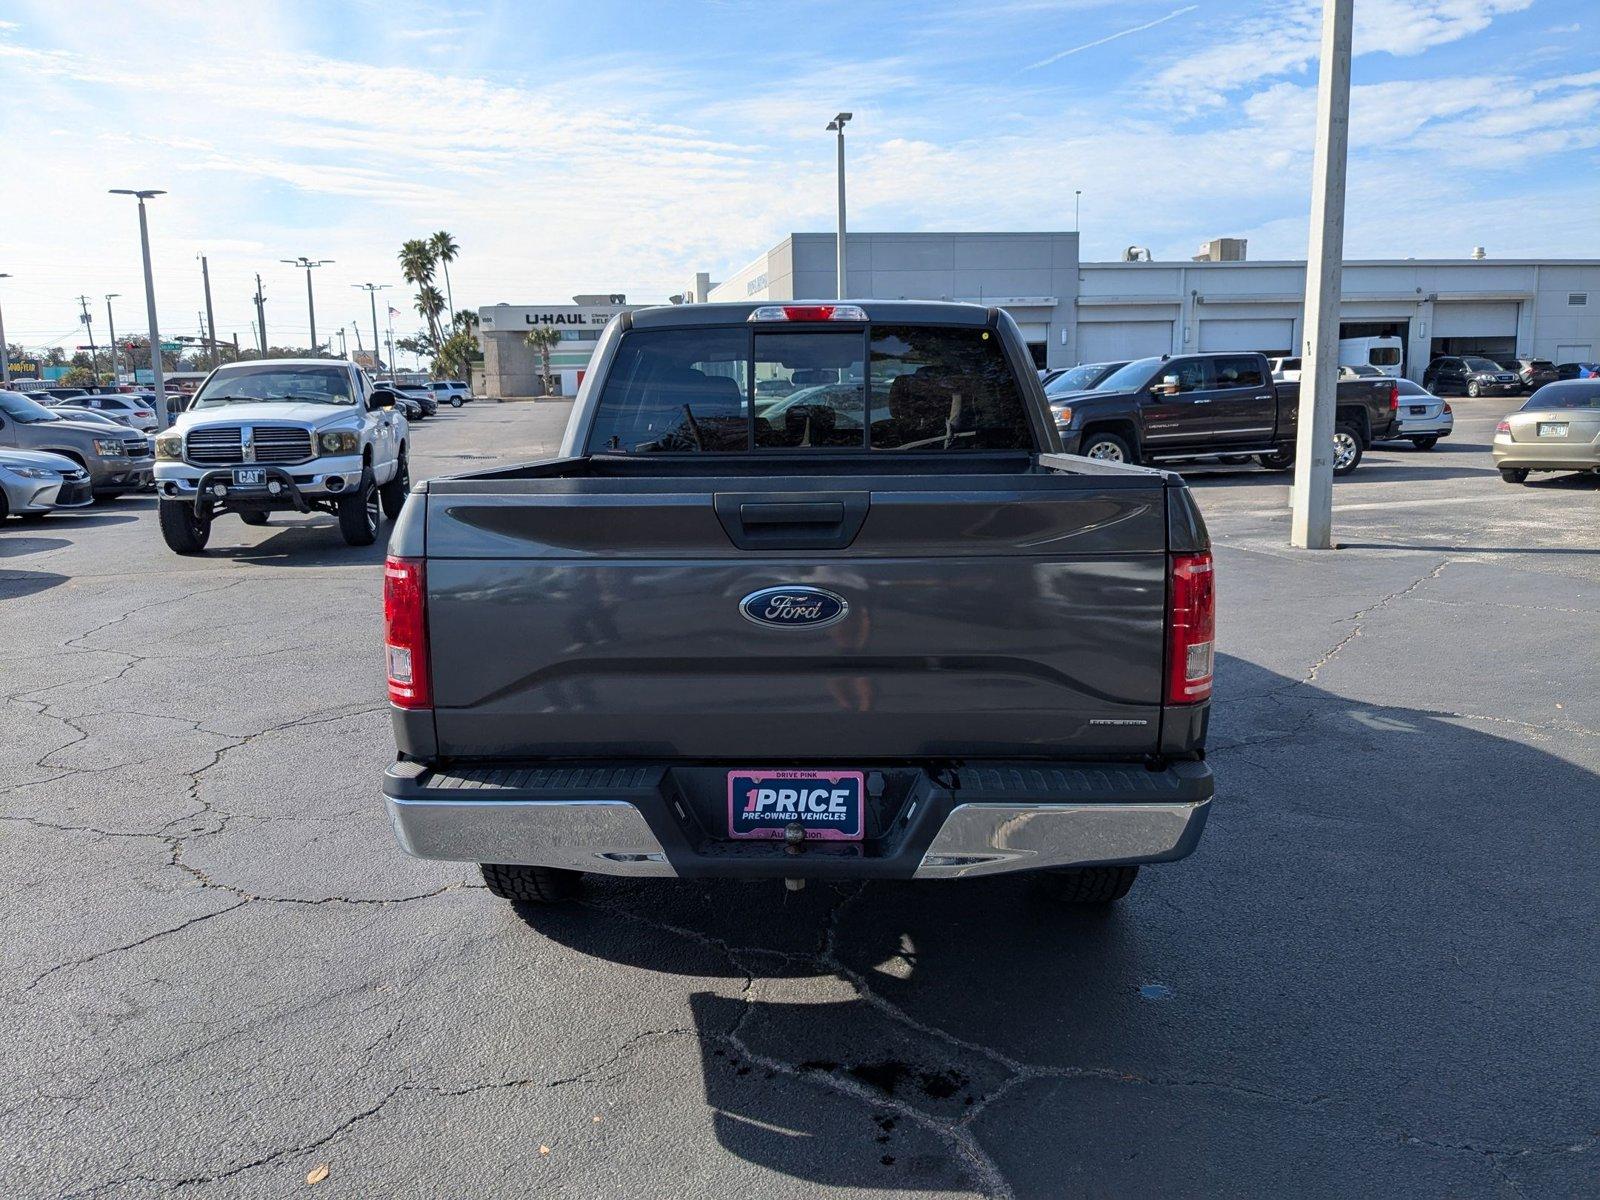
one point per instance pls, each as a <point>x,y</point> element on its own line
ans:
<point>24,368</point>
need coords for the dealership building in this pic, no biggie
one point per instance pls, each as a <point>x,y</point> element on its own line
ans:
<point>1071,311</point>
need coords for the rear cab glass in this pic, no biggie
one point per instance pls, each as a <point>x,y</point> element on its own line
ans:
<point>756,388</point>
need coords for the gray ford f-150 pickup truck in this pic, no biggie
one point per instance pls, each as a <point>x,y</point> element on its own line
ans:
<point>811,592</point>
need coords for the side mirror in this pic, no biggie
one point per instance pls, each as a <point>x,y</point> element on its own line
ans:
<point>380,398</point>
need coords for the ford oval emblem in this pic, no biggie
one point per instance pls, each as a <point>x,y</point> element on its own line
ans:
<point>793,607</point>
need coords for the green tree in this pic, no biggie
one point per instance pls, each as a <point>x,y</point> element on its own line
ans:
<point>544,338</point>
<point>416,265</point>
<point>444,250</point>
<point>431,304</point>
<point>465,320</point>
<point>78,375</point>
<point>456,356</point>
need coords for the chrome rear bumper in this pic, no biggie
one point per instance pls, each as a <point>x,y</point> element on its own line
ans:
<point>990,839</point>
<point>628,821</point>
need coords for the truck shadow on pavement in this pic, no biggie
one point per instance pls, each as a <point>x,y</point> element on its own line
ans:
<point>307,544</point>
<point>1376,976</point>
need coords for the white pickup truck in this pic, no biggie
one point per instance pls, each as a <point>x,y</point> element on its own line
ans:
<point>286,435</point>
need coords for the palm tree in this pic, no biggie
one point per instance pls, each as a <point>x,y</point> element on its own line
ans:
<point>430,304</point>
<point>444,250</point>
<point>465,320</point>
<point>544,338</point>
<point>416,261</point>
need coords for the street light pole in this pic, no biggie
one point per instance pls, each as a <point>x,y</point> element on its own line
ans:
<point>1311,508</point>
<point>311,304</point>
<point>372,290</point>
<point>157,384</point>
<point>5,347</point>
<point>837,126</point>
<point>211,321</point>
<point>111,324</point>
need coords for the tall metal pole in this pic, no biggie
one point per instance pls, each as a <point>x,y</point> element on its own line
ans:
<point>1077,195</point>
<point>372,290</point>
<point>111,325</point>
<point>88,325</point>
<point>1311,511</point>
<point>157,383</point>
<point>211,321</point>
<point>5,346</point>
<point>261,317</point>
<point>311,303</point>
<point>837,125</point>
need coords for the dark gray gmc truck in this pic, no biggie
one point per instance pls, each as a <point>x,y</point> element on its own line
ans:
<point>810,593</point>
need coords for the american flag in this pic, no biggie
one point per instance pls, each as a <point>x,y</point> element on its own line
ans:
<point>393,311</point>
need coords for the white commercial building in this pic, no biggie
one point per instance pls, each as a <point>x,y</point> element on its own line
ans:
<point>511,367</point>
<point>1074,312</point>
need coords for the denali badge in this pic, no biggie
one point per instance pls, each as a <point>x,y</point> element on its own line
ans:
<point>793,607</point>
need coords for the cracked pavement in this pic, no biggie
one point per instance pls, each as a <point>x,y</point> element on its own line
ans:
<point>1376,977</point>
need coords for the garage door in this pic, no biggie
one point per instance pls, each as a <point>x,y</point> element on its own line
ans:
<point>1269,335</point>
<point>1115,341</point>
<point>1479,319</point>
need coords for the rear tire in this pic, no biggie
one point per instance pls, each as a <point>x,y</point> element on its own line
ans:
<point>1472,390</point>
<point>361,512</point>
<point>1346,449</point>
<point>1091,885</point>
<point>182,528</point>
<point>253,518</point>
<point>1514,474</point>
<point>456,401</point>
<point>1424,443</point>
<point>394,492</point>
<point>530,885</point>
<point>1107,447</point>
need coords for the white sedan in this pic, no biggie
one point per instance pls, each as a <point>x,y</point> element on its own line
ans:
<point>1424,417</point>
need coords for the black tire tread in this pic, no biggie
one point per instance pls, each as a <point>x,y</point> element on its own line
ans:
<point>1092,885</point>
<point>353,514</point>
<point>530,885</point>
<point>177,527</point>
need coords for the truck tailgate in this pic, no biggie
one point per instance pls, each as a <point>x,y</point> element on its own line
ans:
<point>579,616</point>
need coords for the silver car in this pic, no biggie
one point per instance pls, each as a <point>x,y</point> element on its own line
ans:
<point>33,483</point>
<point>1424,417</point>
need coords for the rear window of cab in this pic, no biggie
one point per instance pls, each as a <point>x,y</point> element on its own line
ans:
<point>757,389</point>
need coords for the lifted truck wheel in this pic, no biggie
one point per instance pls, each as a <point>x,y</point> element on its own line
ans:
<point>359,513</point>
<point>394,492</point>
<point>184,530</point>
<point>530,885</point>
<point>1091,885</point>
<point>253,518</point>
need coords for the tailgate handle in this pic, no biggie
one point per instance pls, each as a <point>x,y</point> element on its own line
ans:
<point>803,513</point>
<point>792,520</point>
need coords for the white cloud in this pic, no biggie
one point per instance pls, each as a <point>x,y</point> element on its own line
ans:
<point>1111,37</point>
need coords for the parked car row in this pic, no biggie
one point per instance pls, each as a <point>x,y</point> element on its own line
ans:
<point>116,458</point>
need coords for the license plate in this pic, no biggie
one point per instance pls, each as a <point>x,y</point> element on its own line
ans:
<point>249,477</point>
<point>1552,429</point>
<point>1419,410</point>
<point>826,804</point>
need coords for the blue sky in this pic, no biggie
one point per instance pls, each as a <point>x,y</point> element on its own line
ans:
<point>622,146</point>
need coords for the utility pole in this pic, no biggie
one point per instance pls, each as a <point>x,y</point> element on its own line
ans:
<point>1311,509</point>
<point>261,317</point>
<point>360,349</point>
<point>88,325</point>
<point>837,125</point>
<point>163,417</point>
<point>311,303</point>
<point>372,290</point>
<point>111,325</point>
<point>343,352</point>
<point>211,321</point>
<point>236,347</point>
<point>5,347</point>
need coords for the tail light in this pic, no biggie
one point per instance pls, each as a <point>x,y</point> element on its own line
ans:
<point>1503,427</point>
<point>405,616</point>
<point>1394,397</point>
<point>1447,409</point>
<point>1191,628</point>
<point>808,312</point>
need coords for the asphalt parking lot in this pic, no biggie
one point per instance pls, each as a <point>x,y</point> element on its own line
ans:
<point>1378,976</point>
